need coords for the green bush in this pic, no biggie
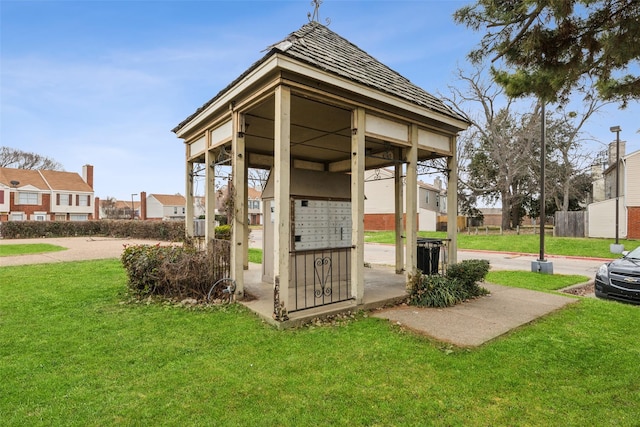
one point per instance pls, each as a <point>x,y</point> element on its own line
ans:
<point>459,284</point>
<point>469,273</point>
<point>174,271</point>
<point>223,232</point>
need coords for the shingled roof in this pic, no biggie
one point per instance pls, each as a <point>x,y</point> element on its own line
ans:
<point>46,180</point>
<point>316,45</point>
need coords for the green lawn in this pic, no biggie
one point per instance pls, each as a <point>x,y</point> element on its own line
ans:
<point>75,352</point>
<point>25,249</point>
<point>524,243</point>
<point>534,281</point>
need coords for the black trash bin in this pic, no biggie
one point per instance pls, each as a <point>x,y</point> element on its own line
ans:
<point>428,255</point>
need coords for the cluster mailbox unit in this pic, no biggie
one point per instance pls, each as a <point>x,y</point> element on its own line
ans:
<point>320,233</point>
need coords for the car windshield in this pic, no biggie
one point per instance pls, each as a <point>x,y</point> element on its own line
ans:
<point>635,254</point>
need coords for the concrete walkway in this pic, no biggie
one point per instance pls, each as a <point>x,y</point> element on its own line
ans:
<point>480,320</point>
<point>469,324</point>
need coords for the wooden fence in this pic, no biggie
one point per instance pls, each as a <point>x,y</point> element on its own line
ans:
<point>571,224</point>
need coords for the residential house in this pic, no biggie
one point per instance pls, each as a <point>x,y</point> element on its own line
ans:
<point>379,209</point>
<point>164,207</point>
<point>119,209</point>
<point>46,195</point>
<point>254,204</point>
<point>602,214</point>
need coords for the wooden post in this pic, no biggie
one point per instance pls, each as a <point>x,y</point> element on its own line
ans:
<point>411,188</point>
<point>210,198</point>
<point>398,209</point>
<point>357,204</point>
<point>282,190</point>
<point>240,211</point>
<point>188,226</point>
<point>452,202</point>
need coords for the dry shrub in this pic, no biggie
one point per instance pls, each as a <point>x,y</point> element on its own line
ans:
<point>175,272</point>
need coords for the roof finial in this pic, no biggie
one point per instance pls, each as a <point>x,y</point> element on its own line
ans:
<point>316,13</point>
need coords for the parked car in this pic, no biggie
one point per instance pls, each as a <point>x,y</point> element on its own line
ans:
<point>620,278</point>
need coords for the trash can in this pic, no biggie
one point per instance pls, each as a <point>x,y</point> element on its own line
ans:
<point>428,255</point>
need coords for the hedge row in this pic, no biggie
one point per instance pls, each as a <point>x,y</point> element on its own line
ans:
<point>158,230</point>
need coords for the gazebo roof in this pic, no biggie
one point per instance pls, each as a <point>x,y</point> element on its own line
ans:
<point>321,48</point>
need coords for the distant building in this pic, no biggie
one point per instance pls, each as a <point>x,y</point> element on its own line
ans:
<point>254,204</point>
<point>165,207</point>
<point>379,208</point>
<point>602,218</point>
<point>46,195</point>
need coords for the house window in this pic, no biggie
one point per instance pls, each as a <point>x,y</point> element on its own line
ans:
<point>61,217</point>
<point>175,210</point>
<point>17,216</point>
<point>27,198</point>
<point>437,200</point>
<point>39,217</point>
<point>182,211</point>
<point>78,217</point>
<point>426,197</point>
<point>1,196</point>
<point>63,200</point>
<point>83,200</point>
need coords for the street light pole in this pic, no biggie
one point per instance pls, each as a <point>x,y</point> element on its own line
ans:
<point>617,130</point>
<point>133,211</point>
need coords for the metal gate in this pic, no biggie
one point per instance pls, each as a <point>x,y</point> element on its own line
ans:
<point>319,277</point>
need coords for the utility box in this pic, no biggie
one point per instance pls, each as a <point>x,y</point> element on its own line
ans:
<point>320,238</point>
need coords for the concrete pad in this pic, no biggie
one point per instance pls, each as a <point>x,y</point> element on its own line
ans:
<point>477,321</point>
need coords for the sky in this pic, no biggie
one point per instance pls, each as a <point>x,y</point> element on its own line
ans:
<point>104,82</point>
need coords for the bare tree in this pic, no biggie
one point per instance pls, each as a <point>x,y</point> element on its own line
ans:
<point>18,159</point>
<point>496,152</point>
<point>568,159</point>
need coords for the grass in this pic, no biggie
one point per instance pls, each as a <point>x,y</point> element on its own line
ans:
<point>255,255</point>
<point>524,243</point>
<point>26,249</point>
<point>534,281</point>
<point>74,352</point>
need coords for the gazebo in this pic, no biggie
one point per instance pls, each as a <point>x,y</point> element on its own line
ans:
<point>317,111</point>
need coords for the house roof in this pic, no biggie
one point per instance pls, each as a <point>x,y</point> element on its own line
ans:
<point>45,180</point>
<point>170,199</point>
<point>321,48</point>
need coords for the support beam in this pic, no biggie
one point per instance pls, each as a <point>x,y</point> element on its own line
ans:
<point>282,190</point>
<point>209,198</point>
<point>398,209</point>
<point>452,204</point>
<point>357,204</point>
<point>411,188</point>
<point>239,219</point>
<point>188,226</point>
<point>245,258</point>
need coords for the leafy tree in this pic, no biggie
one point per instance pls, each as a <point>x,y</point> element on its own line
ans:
<point>554,44</point>
<point>18,159</point>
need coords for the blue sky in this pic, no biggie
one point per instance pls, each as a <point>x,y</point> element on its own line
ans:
<point>104,82</point>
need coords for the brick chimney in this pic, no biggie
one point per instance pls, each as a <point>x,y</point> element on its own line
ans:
<point>143,205</point>
<point>96,208</point>
<point>87,174</point>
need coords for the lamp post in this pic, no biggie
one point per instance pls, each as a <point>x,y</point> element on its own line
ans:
<point>541,265</point>
<point>133,211</point>
<point>616,130</point>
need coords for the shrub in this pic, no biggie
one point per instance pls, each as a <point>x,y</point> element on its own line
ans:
<point>223,232</point>
<point>469,273</point>
<point>174,271</point>
<point>459,284</point>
